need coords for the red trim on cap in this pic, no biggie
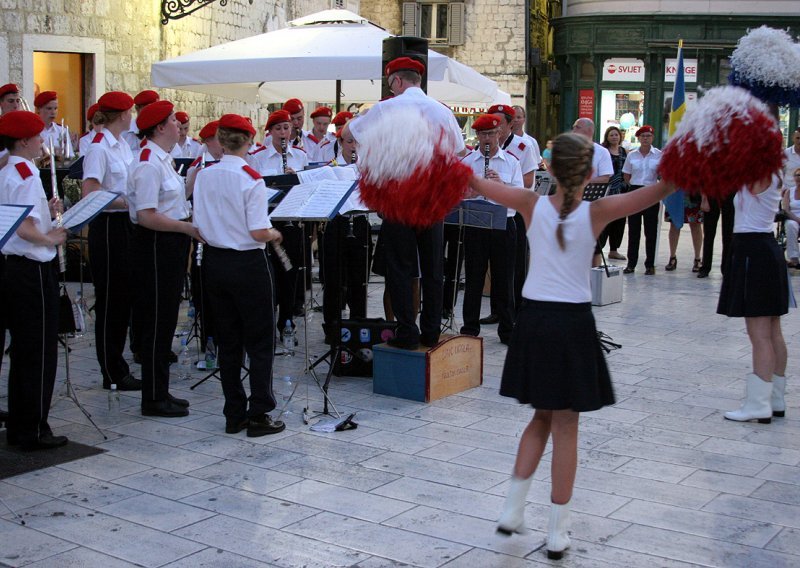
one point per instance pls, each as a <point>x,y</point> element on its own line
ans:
<point>97,138</point>
<point>251,172</point>
<point>144,155</point>
<point>23,169</point>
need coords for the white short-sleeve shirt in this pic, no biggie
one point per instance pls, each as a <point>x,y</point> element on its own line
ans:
<point>268,161</point>
<point>642,169</point>
<point>108,160</point>
<point>601,161</point>
<point>153,183</point>
<point>505,164</point>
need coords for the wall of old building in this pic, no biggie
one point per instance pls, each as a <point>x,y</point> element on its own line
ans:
<point>125,37</point>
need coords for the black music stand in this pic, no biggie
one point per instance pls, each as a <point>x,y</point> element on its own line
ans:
<point>477,213</point>
<point>308,203</point>
<point>593,192</point>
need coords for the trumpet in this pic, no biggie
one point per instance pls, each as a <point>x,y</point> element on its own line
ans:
<point>486,160</point>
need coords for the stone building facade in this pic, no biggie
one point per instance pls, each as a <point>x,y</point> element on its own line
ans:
<point>120,39</point>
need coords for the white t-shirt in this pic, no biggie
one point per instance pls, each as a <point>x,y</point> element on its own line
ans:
<point>230,200</point>
<point>20,184</point>
<point>642,169</point>
<point>153,183</point>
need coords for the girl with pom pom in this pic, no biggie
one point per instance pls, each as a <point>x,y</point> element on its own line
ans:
<point>547,364</point>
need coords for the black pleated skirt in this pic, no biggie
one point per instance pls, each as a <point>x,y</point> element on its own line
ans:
<point>756,280</point>
<point>555,361</point>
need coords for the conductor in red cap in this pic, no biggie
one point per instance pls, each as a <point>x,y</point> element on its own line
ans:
<point>404,76</point>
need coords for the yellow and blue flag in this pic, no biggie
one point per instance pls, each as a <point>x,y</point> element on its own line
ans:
<point>674,203</point>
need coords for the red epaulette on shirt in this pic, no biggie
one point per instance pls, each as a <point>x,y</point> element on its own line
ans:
<point>144,155</point>
<point>298,148</point>
<point>521,146</point>
<point>513,155</point>
<point>313,138</point>
<point>196,162</point>
<point>23,169</point>
<point>142,143</point>
<point>324,143</point>
<point>251,172</point>
<point>257,150</point>
<point>97,138</point>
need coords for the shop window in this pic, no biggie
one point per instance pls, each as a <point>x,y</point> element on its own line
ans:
<point>441,23</point>
<point>63,73</point>
<point>587,70</point>
<point>624,109</point>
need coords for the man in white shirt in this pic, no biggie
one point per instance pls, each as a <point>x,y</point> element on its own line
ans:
<point>404,76</point>
<point>792,160</point>
<point>484,245</point>
<point>187,147</point>
<point>518,128</point>
<point>602,168</point>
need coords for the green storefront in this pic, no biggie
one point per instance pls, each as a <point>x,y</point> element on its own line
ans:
<point>619,69</point>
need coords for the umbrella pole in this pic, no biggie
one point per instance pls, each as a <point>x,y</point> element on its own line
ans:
<point>338,95</point>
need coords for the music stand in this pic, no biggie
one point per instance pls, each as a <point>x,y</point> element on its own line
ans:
<point>544,183</point>
<point>593,192</point>
<point>480,214</point>
<point>308,203</point>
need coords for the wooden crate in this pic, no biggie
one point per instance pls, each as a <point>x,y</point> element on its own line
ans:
<point>426,374</point>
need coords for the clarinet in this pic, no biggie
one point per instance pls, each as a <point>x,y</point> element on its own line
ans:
<point>62,255</point>
<point>283,154</point>
<point>486,161</point>
<point>282,256</point>
<point>353,157</point>
<point>198,251</point>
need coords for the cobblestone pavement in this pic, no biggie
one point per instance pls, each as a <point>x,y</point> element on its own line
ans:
<point>663,479</point>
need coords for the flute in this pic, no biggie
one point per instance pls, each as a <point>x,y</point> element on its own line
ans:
<point>486,161</point>
<point>283,154</point>
<point>62,254</point>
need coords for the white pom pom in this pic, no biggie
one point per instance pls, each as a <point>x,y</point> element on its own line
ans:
<point>769,57</point>
<point>397,142</point>
<point>708,121</point>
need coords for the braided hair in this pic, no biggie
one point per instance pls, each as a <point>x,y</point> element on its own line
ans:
<point>570,164</point>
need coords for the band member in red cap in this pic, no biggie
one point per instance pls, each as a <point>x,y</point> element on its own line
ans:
<point>159,252</point>
<point>239,277</point>
<point>328,148</point>
<point>297,114</point>
<point>484,246</point>
<point>640,169</point>
<point>29,286</point>
<point>85,140</point>
<point>277,158</point>
<point>46,104</point>
<point>9,100</point>
<point>320,120</point>
<point>105,167</point>
<point>187,147</point>
<point>404,76</point>
<point>141,100</point>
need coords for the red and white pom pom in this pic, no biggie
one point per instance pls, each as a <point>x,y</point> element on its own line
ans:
<point>728,140</point>
<point>409,171</point>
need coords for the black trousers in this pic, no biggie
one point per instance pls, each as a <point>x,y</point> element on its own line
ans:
<point>402,244</point>
<point>482,246</point>
<point>648,217</point>
<point>345,267</point>
<point>613,234</point>
<point>453,263</point>
<point>109,241</point>
<point>710,221</point>
<point>30,295</point>
<point>521,255</point>
<point>240,288</point>
<point>159,261</point>
<point>288,284</point>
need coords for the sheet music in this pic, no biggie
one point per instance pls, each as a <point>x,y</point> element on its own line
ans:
<point>313,201</point>
<point>346,173</point>
<point>11,217</point>
<point>87,209</point>
<point>316,174</point>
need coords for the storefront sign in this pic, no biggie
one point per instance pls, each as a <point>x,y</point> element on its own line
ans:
<point>619,69</point>
<point>689,70</point>
<point>586,103</point>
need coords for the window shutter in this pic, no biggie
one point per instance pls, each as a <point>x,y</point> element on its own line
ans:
<point>457,24</point>
<point>409,18</point>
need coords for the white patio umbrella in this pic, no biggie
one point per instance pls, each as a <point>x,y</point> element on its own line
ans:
<point>307,59</point>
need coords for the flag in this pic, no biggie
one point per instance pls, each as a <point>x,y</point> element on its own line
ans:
<point>674,203</point>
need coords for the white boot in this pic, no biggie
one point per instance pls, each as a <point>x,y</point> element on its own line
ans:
<point>557,536</point>
<point>778,389</point>
<point>512,519</point>
<point>756,405</point>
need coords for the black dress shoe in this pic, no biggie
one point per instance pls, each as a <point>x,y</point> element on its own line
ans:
<point>628,270</point>
<point>164,408</point>
<point>236,426</point>
<point>263,425</point>
<point>178,401</point>
<point>3,418</point>
<point>403,343</point>
<point>126,383</point>
<point>650,271</point>
<point>703,273</point>
<point>45,442</point>
<point>491,319</point>
<point>470,332</point>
